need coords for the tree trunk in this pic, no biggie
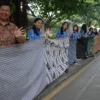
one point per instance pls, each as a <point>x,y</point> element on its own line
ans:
<point>19,17</point>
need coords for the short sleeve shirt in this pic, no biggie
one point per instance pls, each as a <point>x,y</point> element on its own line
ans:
<point>33,36</point>
<point>74,35</point>
<point>7,34</point>
<point>59,35</point>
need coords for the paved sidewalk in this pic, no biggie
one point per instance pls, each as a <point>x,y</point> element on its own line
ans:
<point>72,70</point>
<point>85,84</point>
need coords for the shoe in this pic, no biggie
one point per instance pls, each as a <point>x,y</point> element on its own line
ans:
<point>84,58</point>
<point>77,64</point>
<point>94,56</point>
<point>67,70</point>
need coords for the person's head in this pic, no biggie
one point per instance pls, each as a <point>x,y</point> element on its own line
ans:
<point>64,26</point>
<point>75,28</point>
<point>5,11</point>
<point>38,22</point>
<point>99,30</point>
<point>91,29</point>
<point>94,30</point>
<point>84,27</point>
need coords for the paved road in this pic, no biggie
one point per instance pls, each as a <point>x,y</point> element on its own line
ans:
<point>85,85</point>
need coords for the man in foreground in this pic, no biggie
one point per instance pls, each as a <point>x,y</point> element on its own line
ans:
<point>9,32</point>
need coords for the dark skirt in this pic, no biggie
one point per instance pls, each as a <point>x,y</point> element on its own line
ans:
<point>81,47</point>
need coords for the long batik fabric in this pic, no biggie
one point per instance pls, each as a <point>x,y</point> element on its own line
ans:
<point>22,71</point>
<point>56,58</point>
<point>72,51</point>
<point>99,42</point>
<point>90,46</point>
<point>95,45</point>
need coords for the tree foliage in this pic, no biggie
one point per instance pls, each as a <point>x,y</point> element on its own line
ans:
<point>89,13</point>
<point>54,10</point>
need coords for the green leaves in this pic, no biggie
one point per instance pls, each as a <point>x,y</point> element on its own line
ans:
<point>55,10</point>
<point>89,13</point>
<point>13,8</point>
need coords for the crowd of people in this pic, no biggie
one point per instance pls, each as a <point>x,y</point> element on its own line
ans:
<point>10,34</point>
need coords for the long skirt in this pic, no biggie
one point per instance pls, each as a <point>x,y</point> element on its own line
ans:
<point>95,45</point>
<point>72,51</point>
<point>81,47</point>
<point>99,42</point>
<point>90,46</point>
